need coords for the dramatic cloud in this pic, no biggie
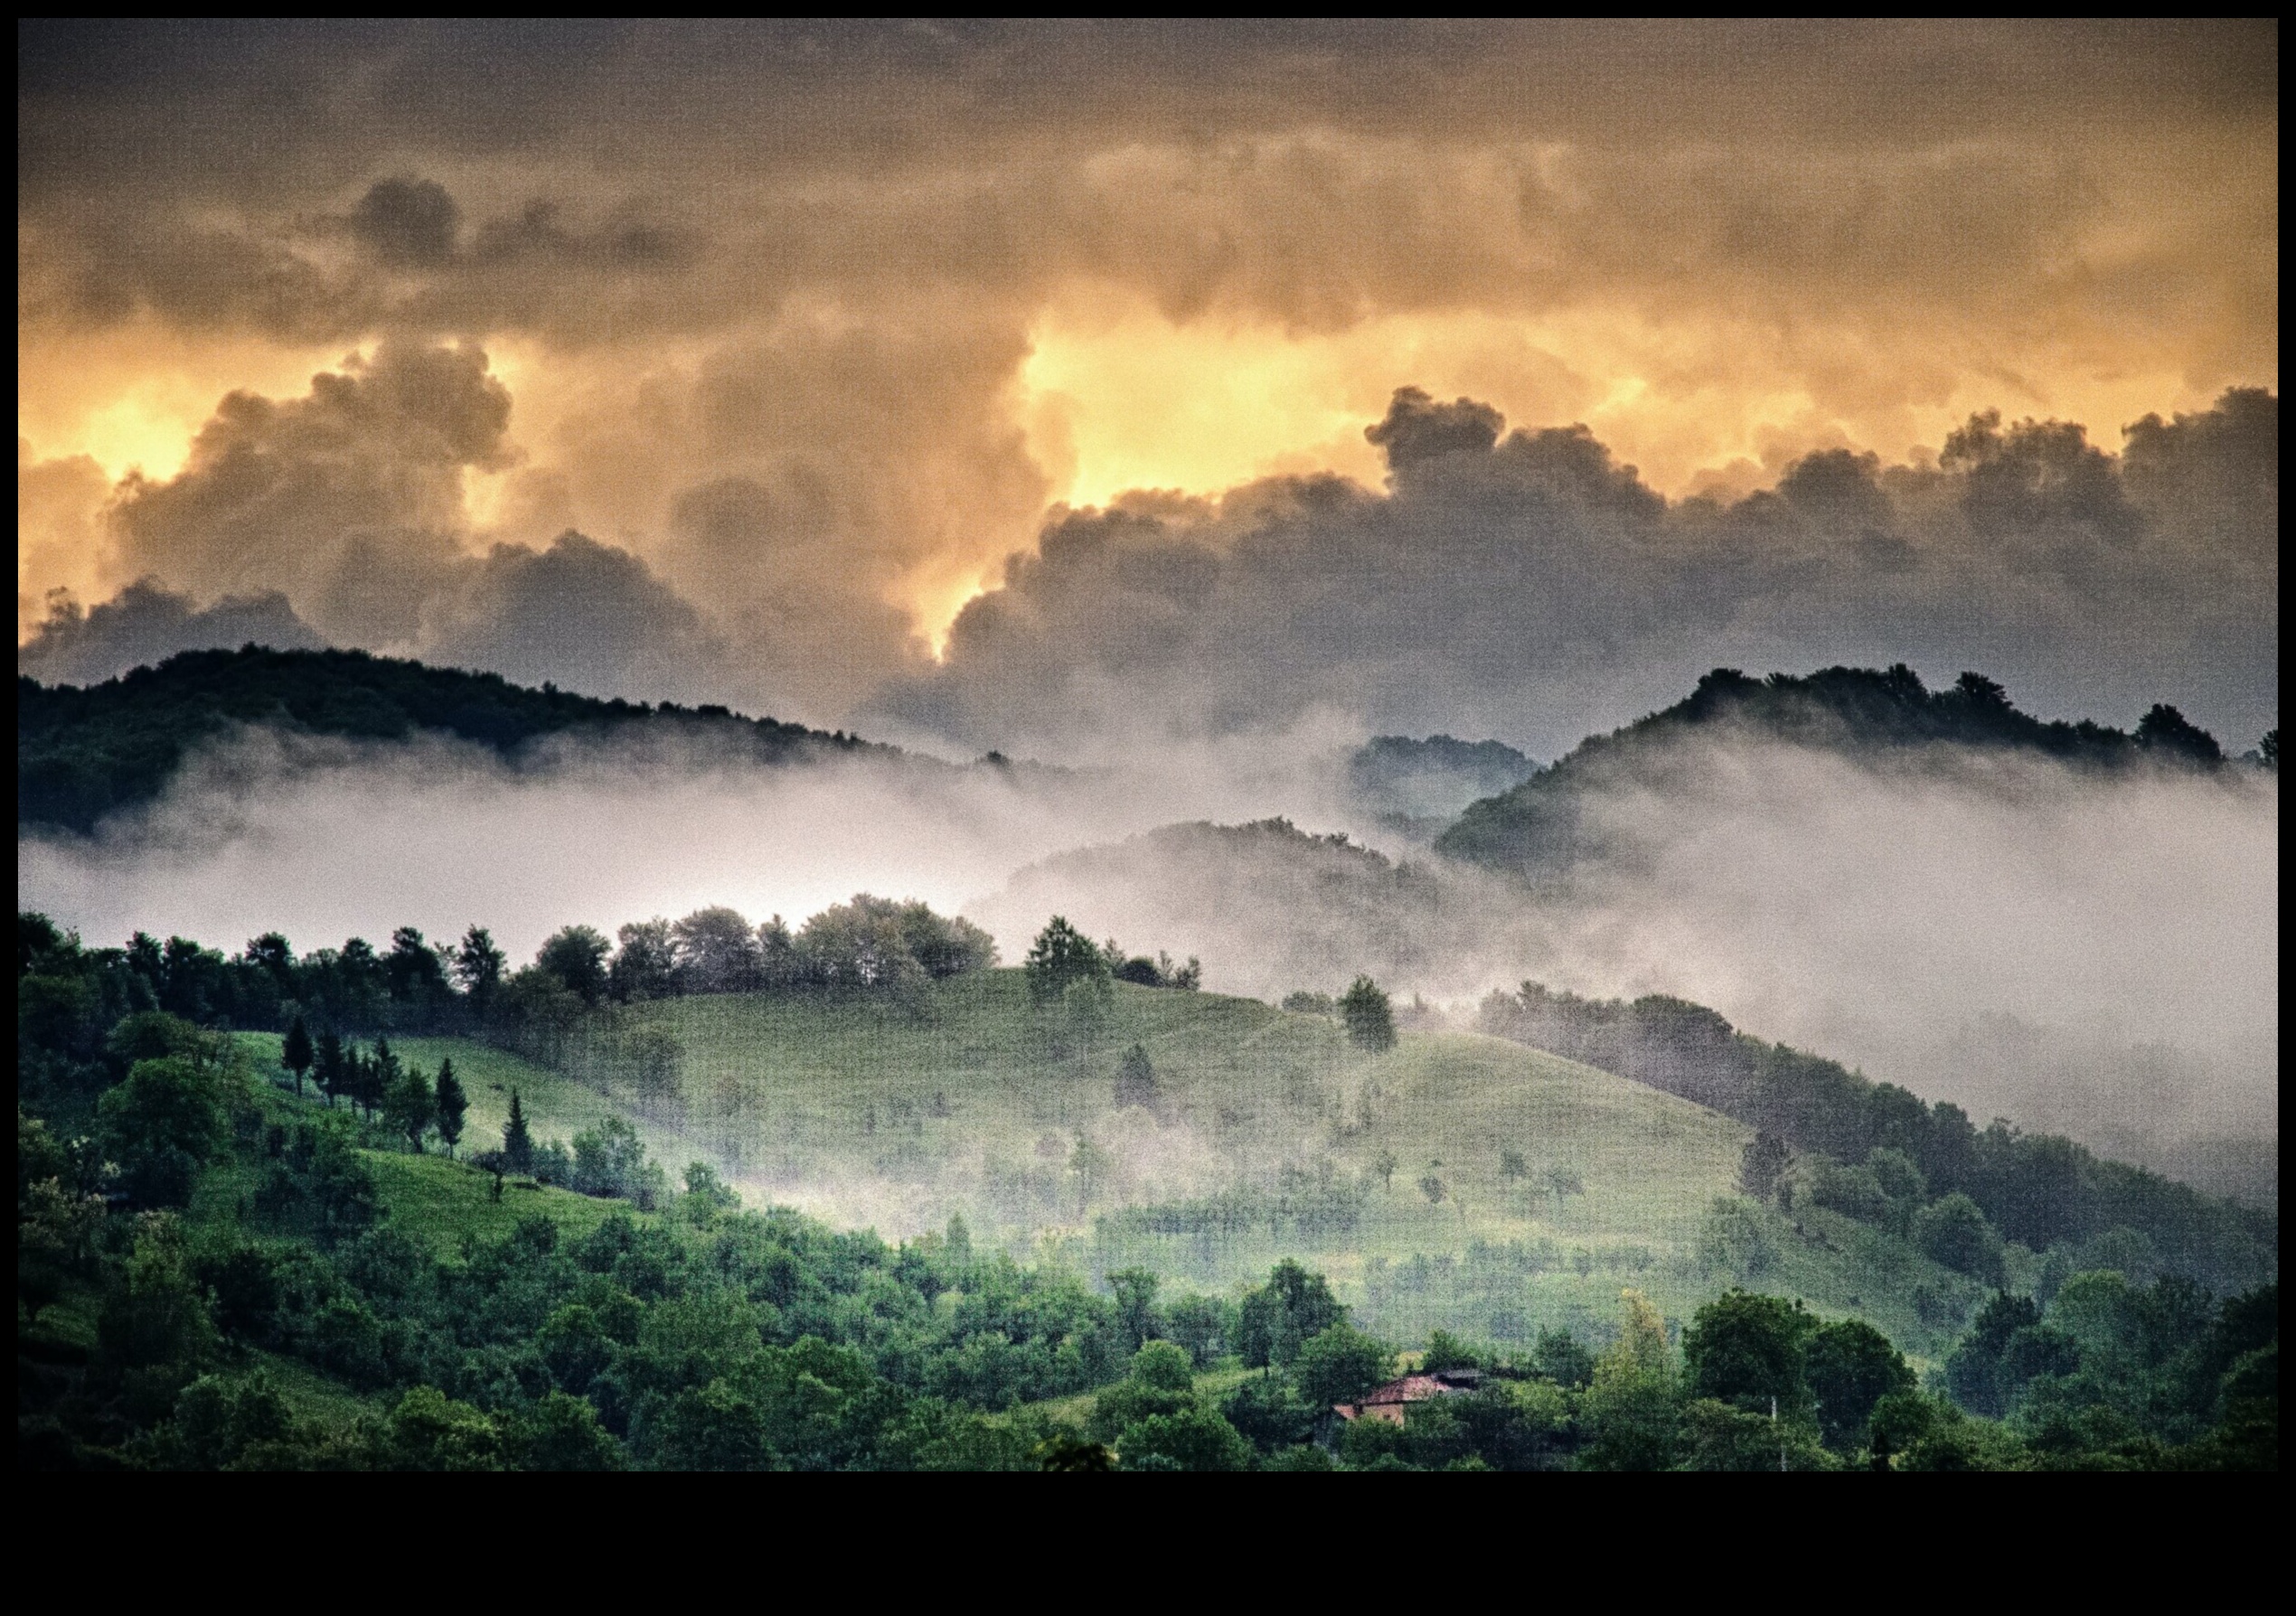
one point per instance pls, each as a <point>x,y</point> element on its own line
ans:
<point>1527,584</point>
<point>145,623</point>
<point>914,282</point>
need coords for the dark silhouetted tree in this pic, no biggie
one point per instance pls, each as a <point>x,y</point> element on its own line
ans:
<point>575,956</point>
<point>479,966</point>
<point>451,1105</point>
<point>1370,1020</point>
<point>518,1143</point>
<point>295,1053</point>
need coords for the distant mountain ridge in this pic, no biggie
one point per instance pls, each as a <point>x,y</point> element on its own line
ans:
<point>82,754</point>
<point>1537,826</point>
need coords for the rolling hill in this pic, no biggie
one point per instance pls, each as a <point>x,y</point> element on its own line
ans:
<point>1455,1181</point>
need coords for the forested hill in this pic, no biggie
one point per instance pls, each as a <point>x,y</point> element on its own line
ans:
<point>82,754</point>
<point>1858,711</point>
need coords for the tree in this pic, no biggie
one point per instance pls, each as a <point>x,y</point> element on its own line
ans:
<point>1274,1319</point>
<point>1161,1382</point>
<point>451,1105</point>
<point>1385,1166</point>
<point>1852,1367</point>
<point>1447,1351</point>
<point>1750,1350</point>
<point>410,1106</point>
<point>478,967</point>
<point>1370,1019</point>
<point>429,1431</point>
<point>333,1072</point>
<point>717,952</point>
<point>1136,1079</point>
<point>412,971</point>
<point>1135,1293</point>
<point>1763,1163</point>
<point>575,956</point>
<point>1954,1231</point>
<point>1189,1439</point>
<point>1563,1360</point>
<point>645,963</point>
<point>562,1433</point>
<point>1340,1364</point>
<point>295,1053</point>
<point>1512,1166</point>
<point>1061,955</point>
<point>1634,1404</point>
<point>163,1124</point>
<point>518,1143</point>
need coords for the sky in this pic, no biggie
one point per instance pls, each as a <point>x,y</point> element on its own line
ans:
<point>1067,388</point>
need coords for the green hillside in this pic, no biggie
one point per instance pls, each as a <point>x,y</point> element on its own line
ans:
<point>1267,1138</point>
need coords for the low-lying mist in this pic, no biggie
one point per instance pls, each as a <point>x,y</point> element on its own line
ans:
<point>2094,956</point>
<point>2086,954</point>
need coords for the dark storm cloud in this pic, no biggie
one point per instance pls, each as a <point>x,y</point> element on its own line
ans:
<point>145,623</point>
<point>1530,586</point>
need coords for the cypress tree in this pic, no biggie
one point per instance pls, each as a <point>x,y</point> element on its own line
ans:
<point>295,1052</point>
<point>518,1144</point>
<point>332,1074</point>
<point>451,1103</point>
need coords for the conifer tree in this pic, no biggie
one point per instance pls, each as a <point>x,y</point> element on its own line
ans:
<point>452,1105</point>
<point>410,1104</point>
<point>332,1073</point>
<point>518,1144</point>
<point>295,1052</point>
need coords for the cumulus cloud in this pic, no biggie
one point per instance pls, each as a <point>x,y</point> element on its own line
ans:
<point>1525,584</point>
<point>145,623</point>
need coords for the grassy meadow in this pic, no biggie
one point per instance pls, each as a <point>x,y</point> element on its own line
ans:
<point>1454,1180</point>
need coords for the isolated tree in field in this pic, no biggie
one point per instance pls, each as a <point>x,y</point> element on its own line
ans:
<point>1061,955</point>
<point>1370,1020</point>
<point>1511,1165</point>
<point>1136,1079</point>
<point>1762,1164</point>
<point>451,1105</point>
<point>479,967</point>
<point>518,1143</point>
<point>410,1106</point>
<point>575,956</point>
<point>295,1053</point>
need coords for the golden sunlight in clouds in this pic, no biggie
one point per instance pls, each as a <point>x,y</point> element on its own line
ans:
<point>1116,395</point>
<point>133,396</point>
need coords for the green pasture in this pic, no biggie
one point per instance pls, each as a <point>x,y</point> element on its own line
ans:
<point>1496,1190</point>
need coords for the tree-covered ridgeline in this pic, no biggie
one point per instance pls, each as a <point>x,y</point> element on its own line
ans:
<point>1878,1152</point>
<point>1538,827</point>
<point>82,754</point>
